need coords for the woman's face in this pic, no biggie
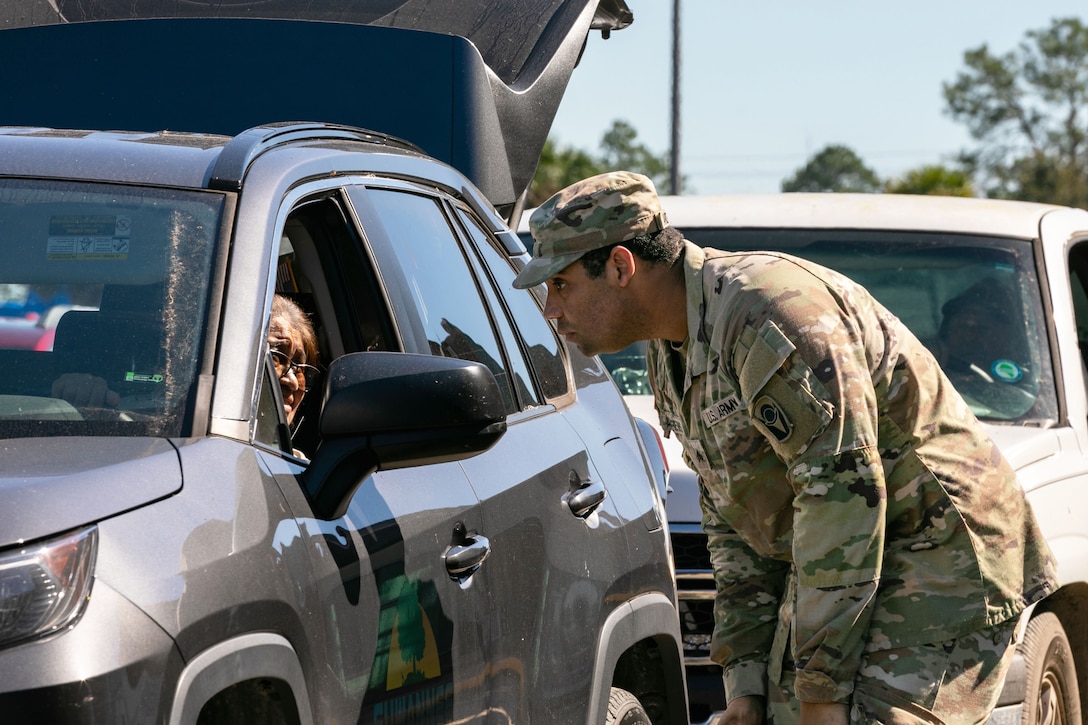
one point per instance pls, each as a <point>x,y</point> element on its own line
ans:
<point>287,352</point>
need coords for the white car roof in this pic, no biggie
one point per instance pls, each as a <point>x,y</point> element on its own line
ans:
<point>896,212</point>
<point>858,211</point>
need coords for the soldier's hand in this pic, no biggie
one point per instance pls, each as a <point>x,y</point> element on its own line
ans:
<point>747,710</point>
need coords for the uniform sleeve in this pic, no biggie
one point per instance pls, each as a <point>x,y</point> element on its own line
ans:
<point>804,371</point>
<point>749,588</point>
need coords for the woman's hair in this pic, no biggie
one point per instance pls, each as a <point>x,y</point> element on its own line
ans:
<point>295,319</point>
<point>661,247</point>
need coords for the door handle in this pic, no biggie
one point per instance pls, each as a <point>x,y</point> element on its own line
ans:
<point>465,556</point>
<point>584,496</point>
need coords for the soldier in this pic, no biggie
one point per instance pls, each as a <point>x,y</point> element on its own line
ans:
<point>872,549</point>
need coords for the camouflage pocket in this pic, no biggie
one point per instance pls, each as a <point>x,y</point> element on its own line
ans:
<point>778,386</point>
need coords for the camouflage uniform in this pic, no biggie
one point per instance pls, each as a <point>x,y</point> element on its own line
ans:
<point>869,541</point>
<point>852,503</point>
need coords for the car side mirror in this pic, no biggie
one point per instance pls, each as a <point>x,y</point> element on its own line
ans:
<point>388,410</point>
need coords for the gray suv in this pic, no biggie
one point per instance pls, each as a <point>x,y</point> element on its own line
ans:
<point>463,523</point>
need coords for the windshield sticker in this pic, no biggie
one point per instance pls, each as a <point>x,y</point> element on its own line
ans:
<point>88,237</point>
<point>1007,371</point>
<point>131,377</point>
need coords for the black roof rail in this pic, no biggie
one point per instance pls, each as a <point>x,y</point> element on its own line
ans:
<point>241,151</point>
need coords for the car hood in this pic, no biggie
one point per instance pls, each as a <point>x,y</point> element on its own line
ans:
<point>682,503</point>
<point>1023,447</point>
<point>51,485</point>
<point>642,406</point>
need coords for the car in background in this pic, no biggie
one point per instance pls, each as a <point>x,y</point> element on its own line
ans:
<point>922,257</point>
<point>33,330</point>
<point>461,522</point>
<point>21,332</point>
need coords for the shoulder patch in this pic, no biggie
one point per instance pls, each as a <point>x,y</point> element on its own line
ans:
<point>771,415</point>
<point>788,416</point>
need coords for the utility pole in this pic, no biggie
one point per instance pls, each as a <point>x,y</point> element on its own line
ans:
<point>674,151</point>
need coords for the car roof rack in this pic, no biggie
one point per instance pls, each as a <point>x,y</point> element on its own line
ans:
<point>242,150</point>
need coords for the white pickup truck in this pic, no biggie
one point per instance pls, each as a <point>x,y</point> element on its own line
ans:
<point>1006,280</point>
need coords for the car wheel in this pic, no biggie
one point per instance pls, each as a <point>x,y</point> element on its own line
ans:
<point>1052,696</point>
<point>625,709</point>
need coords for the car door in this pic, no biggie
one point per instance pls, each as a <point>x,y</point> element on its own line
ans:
<point>585,495</point>
<point>546,510</point>
<point>399,637</point>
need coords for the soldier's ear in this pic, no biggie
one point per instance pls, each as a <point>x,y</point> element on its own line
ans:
<point>622,265</point>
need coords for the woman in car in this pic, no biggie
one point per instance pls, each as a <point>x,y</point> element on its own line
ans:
<point>292,343</point>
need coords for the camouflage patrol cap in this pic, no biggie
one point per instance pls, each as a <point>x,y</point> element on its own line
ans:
<point>596,212</point>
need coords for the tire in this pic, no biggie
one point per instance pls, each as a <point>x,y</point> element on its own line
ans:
<point>625,709</point>
<point>1052,696</point>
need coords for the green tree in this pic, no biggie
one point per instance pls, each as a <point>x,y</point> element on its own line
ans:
<point>834,168</point>
<point>560,166</point>
<point>1027,109</point>
<point>621,150</point>
<point>934,179</point>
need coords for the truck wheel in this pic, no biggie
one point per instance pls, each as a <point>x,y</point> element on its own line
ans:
<point>1052,696</point>
<point>625,709</point>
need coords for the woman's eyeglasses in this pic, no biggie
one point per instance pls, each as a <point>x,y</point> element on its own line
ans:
<point>283,363</point>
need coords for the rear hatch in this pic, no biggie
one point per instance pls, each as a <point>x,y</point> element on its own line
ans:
<point>475,83</point>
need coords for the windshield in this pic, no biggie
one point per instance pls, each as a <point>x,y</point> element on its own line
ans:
<point>973,301</point>
<point>103,294</point>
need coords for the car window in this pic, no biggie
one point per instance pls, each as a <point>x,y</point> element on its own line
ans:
<point>271,426</point>
<point>1078,286</point>
<point>973,300</point>
<point>115,282</point>
<point>323,272</point>
<point>446,297</point>
<point>628,369</point>
<point>538,338</point>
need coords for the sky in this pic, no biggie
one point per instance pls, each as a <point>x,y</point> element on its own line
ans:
<point>766,85</point>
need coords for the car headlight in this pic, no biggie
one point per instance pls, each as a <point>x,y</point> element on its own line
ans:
<point>43,586</point>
